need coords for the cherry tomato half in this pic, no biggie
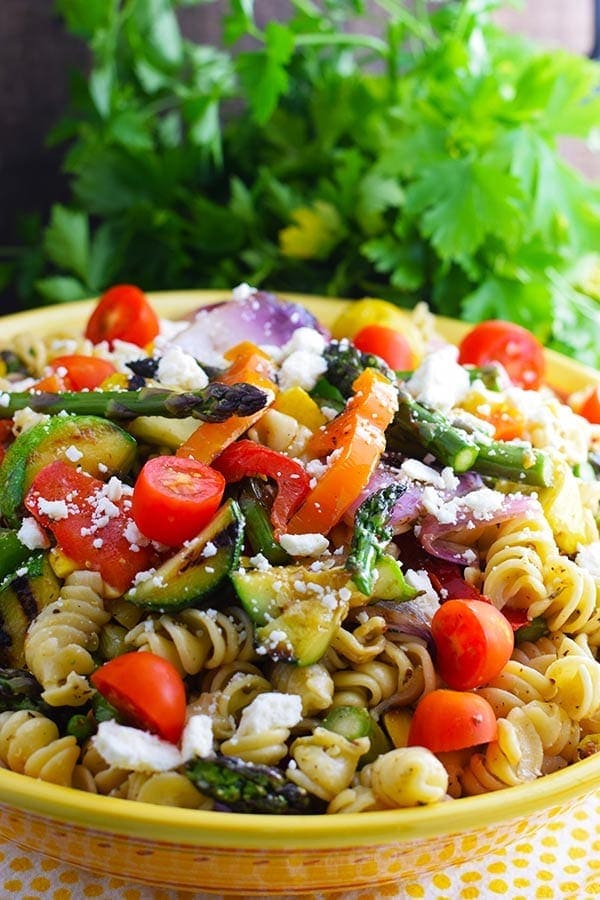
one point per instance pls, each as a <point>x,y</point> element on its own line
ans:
<point>590,408</point>
<point>147,690</point>
<point>80,372</point>
<point>388,343</point>
<point>516,348</point>
<point>124,314</point>
<point>175,497</point>
<point>473,642</point>
<point>452,720</point>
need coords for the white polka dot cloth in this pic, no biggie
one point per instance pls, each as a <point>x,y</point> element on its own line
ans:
<point>560,862</point>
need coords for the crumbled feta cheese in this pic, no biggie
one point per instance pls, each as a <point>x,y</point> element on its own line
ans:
<point>197,737</point>
<point>418,471</point>
<point>26,418</point>
<point>54,509</point>
<point>305,340</point>
<point>440,382</point>
<point>32,535</point>
<point>131,748</point>
<point>209,550</point>
<point>180,371</point>
<point>260,562</point>
<point>304,544</point>
<point>420,581</point>
<point>73,453</point>
<point>270,710</point>
<point>242,292</point>
<point>301,369</point>
<point>4,399</point>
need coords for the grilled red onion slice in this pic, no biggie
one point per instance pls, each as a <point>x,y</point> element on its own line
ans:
<point>259,316</point>
<point>412,617</point>
<point>437,537</point>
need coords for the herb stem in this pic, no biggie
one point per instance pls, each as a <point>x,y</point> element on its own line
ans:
<point>368,41</point>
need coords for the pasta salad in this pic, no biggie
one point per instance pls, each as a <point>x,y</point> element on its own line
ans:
<point>250,565</point>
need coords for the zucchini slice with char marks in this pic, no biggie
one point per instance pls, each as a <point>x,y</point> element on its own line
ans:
<point>100,447</point>
<point>22,598</point>
<point>297,611</point>
<point>197,569</point>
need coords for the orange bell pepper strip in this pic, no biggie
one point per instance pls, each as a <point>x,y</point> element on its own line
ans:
<point>357,436</point>
<point>250,365</point>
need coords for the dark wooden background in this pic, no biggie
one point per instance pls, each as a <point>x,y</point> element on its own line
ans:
<point>36,54</point>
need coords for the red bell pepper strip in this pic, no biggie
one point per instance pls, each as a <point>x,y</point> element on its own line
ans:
<point>245,459</point>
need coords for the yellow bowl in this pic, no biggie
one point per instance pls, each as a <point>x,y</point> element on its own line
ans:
<point>257,854</point>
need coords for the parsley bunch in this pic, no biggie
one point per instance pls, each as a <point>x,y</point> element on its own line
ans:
<point>408,152</point>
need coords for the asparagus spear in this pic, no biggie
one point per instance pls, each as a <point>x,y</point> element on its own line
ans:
<point>462,450</point>
<point>433,431</point>
<point>345,362</point>
<point>371,532</point>
<point>214,403</point>
<point>248,787</point>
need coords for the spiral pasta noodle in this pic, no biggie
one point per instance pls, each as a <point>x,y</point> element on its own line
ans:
<point>325,762</point>
<point>61,639</point>
<point>30,744</point>
<point>196,639</point>
<point>514,564</point>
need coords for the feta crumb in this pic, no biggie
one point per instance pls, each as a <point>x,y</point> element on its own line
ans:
<point>73,454</point>
<point>131,748</point>
<point>197,737</point>
<point>304,544</point>
<point>209,549</point>
<point>260,562</point>
<point>54,509</point>
<point>270,710</point>
<point>32,535</point>
<point>242,292</point>
<point>440,382</point>
<point>180,371</point>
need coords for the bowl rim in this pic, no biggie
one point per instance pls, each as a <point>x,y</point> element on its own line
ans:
<point>258,831</point>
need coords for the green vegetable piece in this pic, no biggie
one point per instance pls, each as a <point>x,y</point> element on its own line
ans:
<point>198,568</point>
<point>159,431</point>
<point>354,722</point>
<point>390,583</point>
<point>101,448</point>
<point>81,727</point>
<point>433,432</point>
<point>259,531</point>
<point>532,631</point>
<point>514,462</point>
<point>326,394</point>
<point>371,534</point>
<point>19,690</point>
<point>215,403</point>
<point>345,363</point>
<point>22,597</point>
<point>247,787</point>
<point>12,552</point>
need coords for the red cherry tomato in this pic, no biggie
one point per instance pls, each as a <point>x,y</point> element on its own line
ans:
<point>123,314</point>
<point>473,642</point>
<point>81,372</point>
<point>590,408</point>
<point>174,498</point>
<point>516,348</point>
<point>388,343</point>
<point>147,690</point>
<point>452,720</point>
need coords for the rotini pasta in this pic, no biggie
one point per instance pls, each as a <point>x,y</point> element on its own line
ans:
<point>30,744</point>
<point>61,639</point>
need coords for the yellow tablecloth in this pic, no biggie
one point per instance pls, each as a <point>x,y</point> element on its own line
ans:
<point>560,862</point>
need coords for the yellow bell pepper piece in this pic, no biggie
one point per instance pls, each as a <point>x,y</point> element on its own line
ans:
<point>296,402</point>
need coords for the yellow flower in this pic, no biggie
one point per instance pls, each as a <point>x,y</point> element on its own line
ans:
<point>317,229</point>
